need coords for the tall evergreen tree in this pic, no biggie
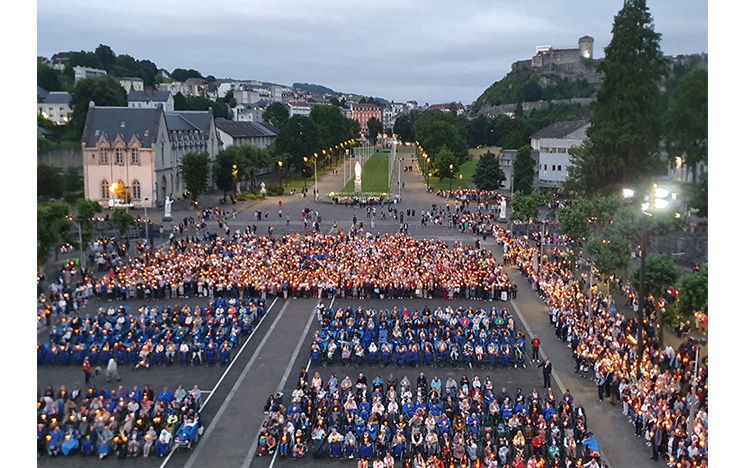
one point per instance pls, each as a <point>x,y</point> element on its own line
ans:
<point>625,133</point>
<point>523,171</point>
<point>488,175</point>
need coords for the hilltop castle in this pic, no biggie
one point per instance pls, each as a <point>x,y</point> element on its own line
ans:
<point>547,58</point>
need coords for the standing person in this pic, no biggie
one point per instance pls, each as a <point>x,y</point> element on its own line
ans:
<point>600,381</point>
<point>536,346</point>
<point>547,367</point>
<point>112,371</point>
<point>87,370</point>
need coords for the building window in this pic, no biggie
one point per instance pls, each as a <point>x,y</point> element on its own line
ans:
<point>553,167</point>
<point>135,157</point>
<point>105,189</point>
<point>136,190</point>
<point>104,159</point>
<point>559,166</point>
<point>545,167</point>
<point>119,157</point>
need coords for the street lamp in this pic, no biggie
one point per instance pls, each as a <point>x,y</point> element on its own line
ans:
<point>656,200</point>
<point>305,160</point>
<point>451,177</point>
<point>80,237</point>
<point>315,174</point>
<point>279,163</point>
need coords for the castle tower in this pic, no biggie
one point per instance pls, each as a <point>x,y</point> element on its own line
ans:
<point>585,47</point>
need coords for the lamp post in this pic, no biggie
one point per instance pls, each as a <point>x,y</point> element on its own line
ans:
<point>451,177</point>
<point>657,199</point>
<point>147,221</point>
<point>80,238</point>
<point>279,163</point>
<point>460,184</point>
<point>315,175</point>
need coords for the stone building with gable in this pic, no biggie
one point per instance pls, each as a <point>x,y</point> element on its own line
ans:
<point>141,149</point>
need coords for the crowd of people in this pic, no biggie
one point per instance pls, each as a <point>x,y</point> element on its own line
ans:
<point>427,422</point>
<point>658,397</point>
<point>443,336</point>
<point>472,194</point>
<point>305,265</point>
<point>152,335</point>
<point>125,423</point>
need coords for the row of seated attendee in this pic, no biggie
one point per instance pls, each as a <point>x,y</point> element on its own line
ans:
<point>459,423</point>
<point>445,335</point>
<point>153,335</point>
<point>100,421</point>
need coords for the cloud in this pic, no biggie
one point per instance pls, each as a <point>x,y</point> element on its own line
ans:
<point>430,51</point>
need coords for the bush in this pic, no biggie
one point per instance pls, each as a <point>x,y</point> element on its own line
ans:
<point>275,190</point>
<point>248,196</point>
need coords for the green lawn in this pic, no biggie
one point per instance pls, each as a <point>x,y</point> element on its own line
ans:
<point>404,149</point>
<point>374,175</point>
<point>467,170</point>
<point>295,180</point>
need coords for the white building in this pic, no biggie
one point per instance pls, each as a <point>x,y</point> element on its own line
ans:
<point>255,134</point>
<point>299,108</point>
<point>150,99</point>
<point>174,87</point>
<point>132,84</point>
<point>82,73</point>
<point>507,164</point>
<point>248,113</point>
<point>553,144</point>
<point>55,106</point>
<point>141,149</point>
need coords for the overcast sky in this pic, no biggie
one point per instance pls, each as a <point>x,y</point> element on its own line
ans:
<point>427,50</point>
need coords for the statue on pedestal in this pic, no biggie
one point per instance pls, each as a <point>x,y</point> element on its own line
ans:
<point>357,177</point>
<point>262,190</point>
<point>503,209</point>
<point>167,212</point>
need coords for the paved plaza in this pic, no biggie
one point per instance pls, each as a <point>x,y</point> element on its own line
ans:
<point>272,357</point>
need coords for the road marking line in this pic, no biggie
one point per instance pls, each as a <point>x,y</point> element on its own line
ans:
<point>214,389</point>
<point>233,390</point>
<point>555,375</point>
<point>247,462</point>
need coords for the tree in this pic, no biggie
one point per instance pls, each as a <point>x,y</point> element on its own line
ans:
<point>72,182</point>
<point>624,135</point>
<point>180,74</point>
<point>694,293</point>
<point>105,56</point>
<point>700,200</point>
<point>195,170</point>
<point>445,163</point>
<point>250,160</point>
<point>660,273</point>
<point>229,99</point>
<point>374,128</point>
<point>404,127</point>
<point>525,206</point>
<point>86,210</point>
<point>47,77</point>
<point>300,137</point>
<point>523,171</point>
<point>48,182</point>
<point>104,91</point>
<point>587,214</point>
<point>610,251</point>
<point>332,125</point>
<point>488,174</point>
<point>122,220</point>
<point>277,114</point>
<point>222,169</point>
<point>686,120</point>
<point>219,108</point>
<point>51,227</point>
<point>435,129</point>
